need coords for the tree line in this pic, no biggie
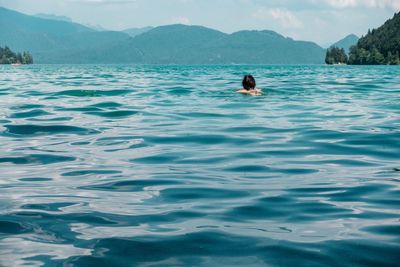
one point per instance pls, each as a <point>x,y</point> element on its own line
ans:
<point>379,47</point>
<point>336,55</point>
<point>9,57</point>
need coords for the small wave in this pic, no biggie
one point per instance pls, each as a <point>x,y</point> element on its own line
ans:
<point>81,109</point>
<point>107,105</point>
<point>198,193</point>
<point>14,228</point>
<point>114,114</point>
<point>130,186</point>
<point>37,159</point>
<point>250,168</point>
<point>30,114</point>
<point>306,210</point>
<point>179,91</point>
<point>205,139</point>
<point>92,93</point>
<point>47,130</point>
<point>388,230</point>
<point>58,206</point>
<point>35,179</point>
<point>28,106</point>
<point>89,172</point>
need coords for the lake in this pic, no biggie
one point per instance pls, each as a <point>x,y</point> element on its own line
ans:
<point>121,165</point>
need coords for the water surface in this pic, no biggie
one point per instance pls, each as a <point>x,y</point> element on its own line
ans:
<point>168,166</point>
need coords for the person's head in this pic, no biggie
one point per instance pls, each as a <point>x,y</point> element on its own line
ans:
<point>249,83</point>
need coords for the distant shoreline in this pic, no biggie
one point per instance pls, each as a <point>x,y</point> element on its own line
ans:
<point>191,65</point>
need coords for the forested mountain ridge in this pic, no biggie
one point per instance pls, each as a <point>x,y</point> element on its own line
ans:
<point>379,46</point>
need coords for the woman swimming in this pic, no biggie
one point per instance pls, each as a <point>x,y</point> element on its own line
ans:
<point>249,86</point>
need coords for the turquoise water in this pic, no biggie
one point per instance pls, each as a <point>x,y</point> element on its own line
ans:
<point>168,166</point>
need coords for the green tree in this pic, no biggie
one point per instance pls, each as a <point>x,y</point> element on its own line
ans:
<point>9,57</point>
<point>342,56</point>
<point>396,60</point>
<point>19,58</point>
<point>379,46</point>
<point>376,58</point>
<point>27,58</point>
<point>4,60</point>
<point>335,55</point>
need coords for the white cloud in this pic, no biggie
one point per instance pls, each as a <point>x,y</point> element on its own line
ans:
<point>394,4</point>
<point>104,2</point>
<point>342,3</point>
<point>286,18</point>
<point>181,20</point>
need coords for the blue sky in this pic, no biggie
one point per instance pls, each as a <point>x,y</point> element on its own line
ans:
<point>321,21</point>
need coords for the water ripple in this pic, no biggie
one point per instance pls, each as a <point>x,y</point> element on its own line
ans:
<point>46,129</point>
<point>125,165</point>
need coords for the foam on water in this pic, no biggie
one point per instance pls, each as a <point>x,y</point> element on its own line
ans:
<point>167,166</point>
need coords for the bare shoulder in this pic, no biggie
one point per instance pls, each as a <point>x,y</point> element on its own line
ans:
<point>255,92</point>
<point>258,91</point>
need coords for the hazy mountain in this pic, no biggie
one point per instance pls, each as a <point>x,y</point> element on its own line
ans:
<point>89,47</point>
<point>181,44</point>
<point>265,47</point>
<point>137,31</point>
<point>54,41</point>
<point>347,42</point>
<point>14,21</point>
<point>22,32</point>
<point>176,44</point>
<point>53,17</point>
<point>97,27</point>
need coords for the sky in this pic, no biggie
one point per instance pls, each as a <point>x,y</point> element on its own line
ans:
<point>321,21</point>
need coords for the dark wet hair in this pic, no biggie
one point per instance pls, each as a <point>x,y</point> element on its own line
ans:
<point>249,82</point>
